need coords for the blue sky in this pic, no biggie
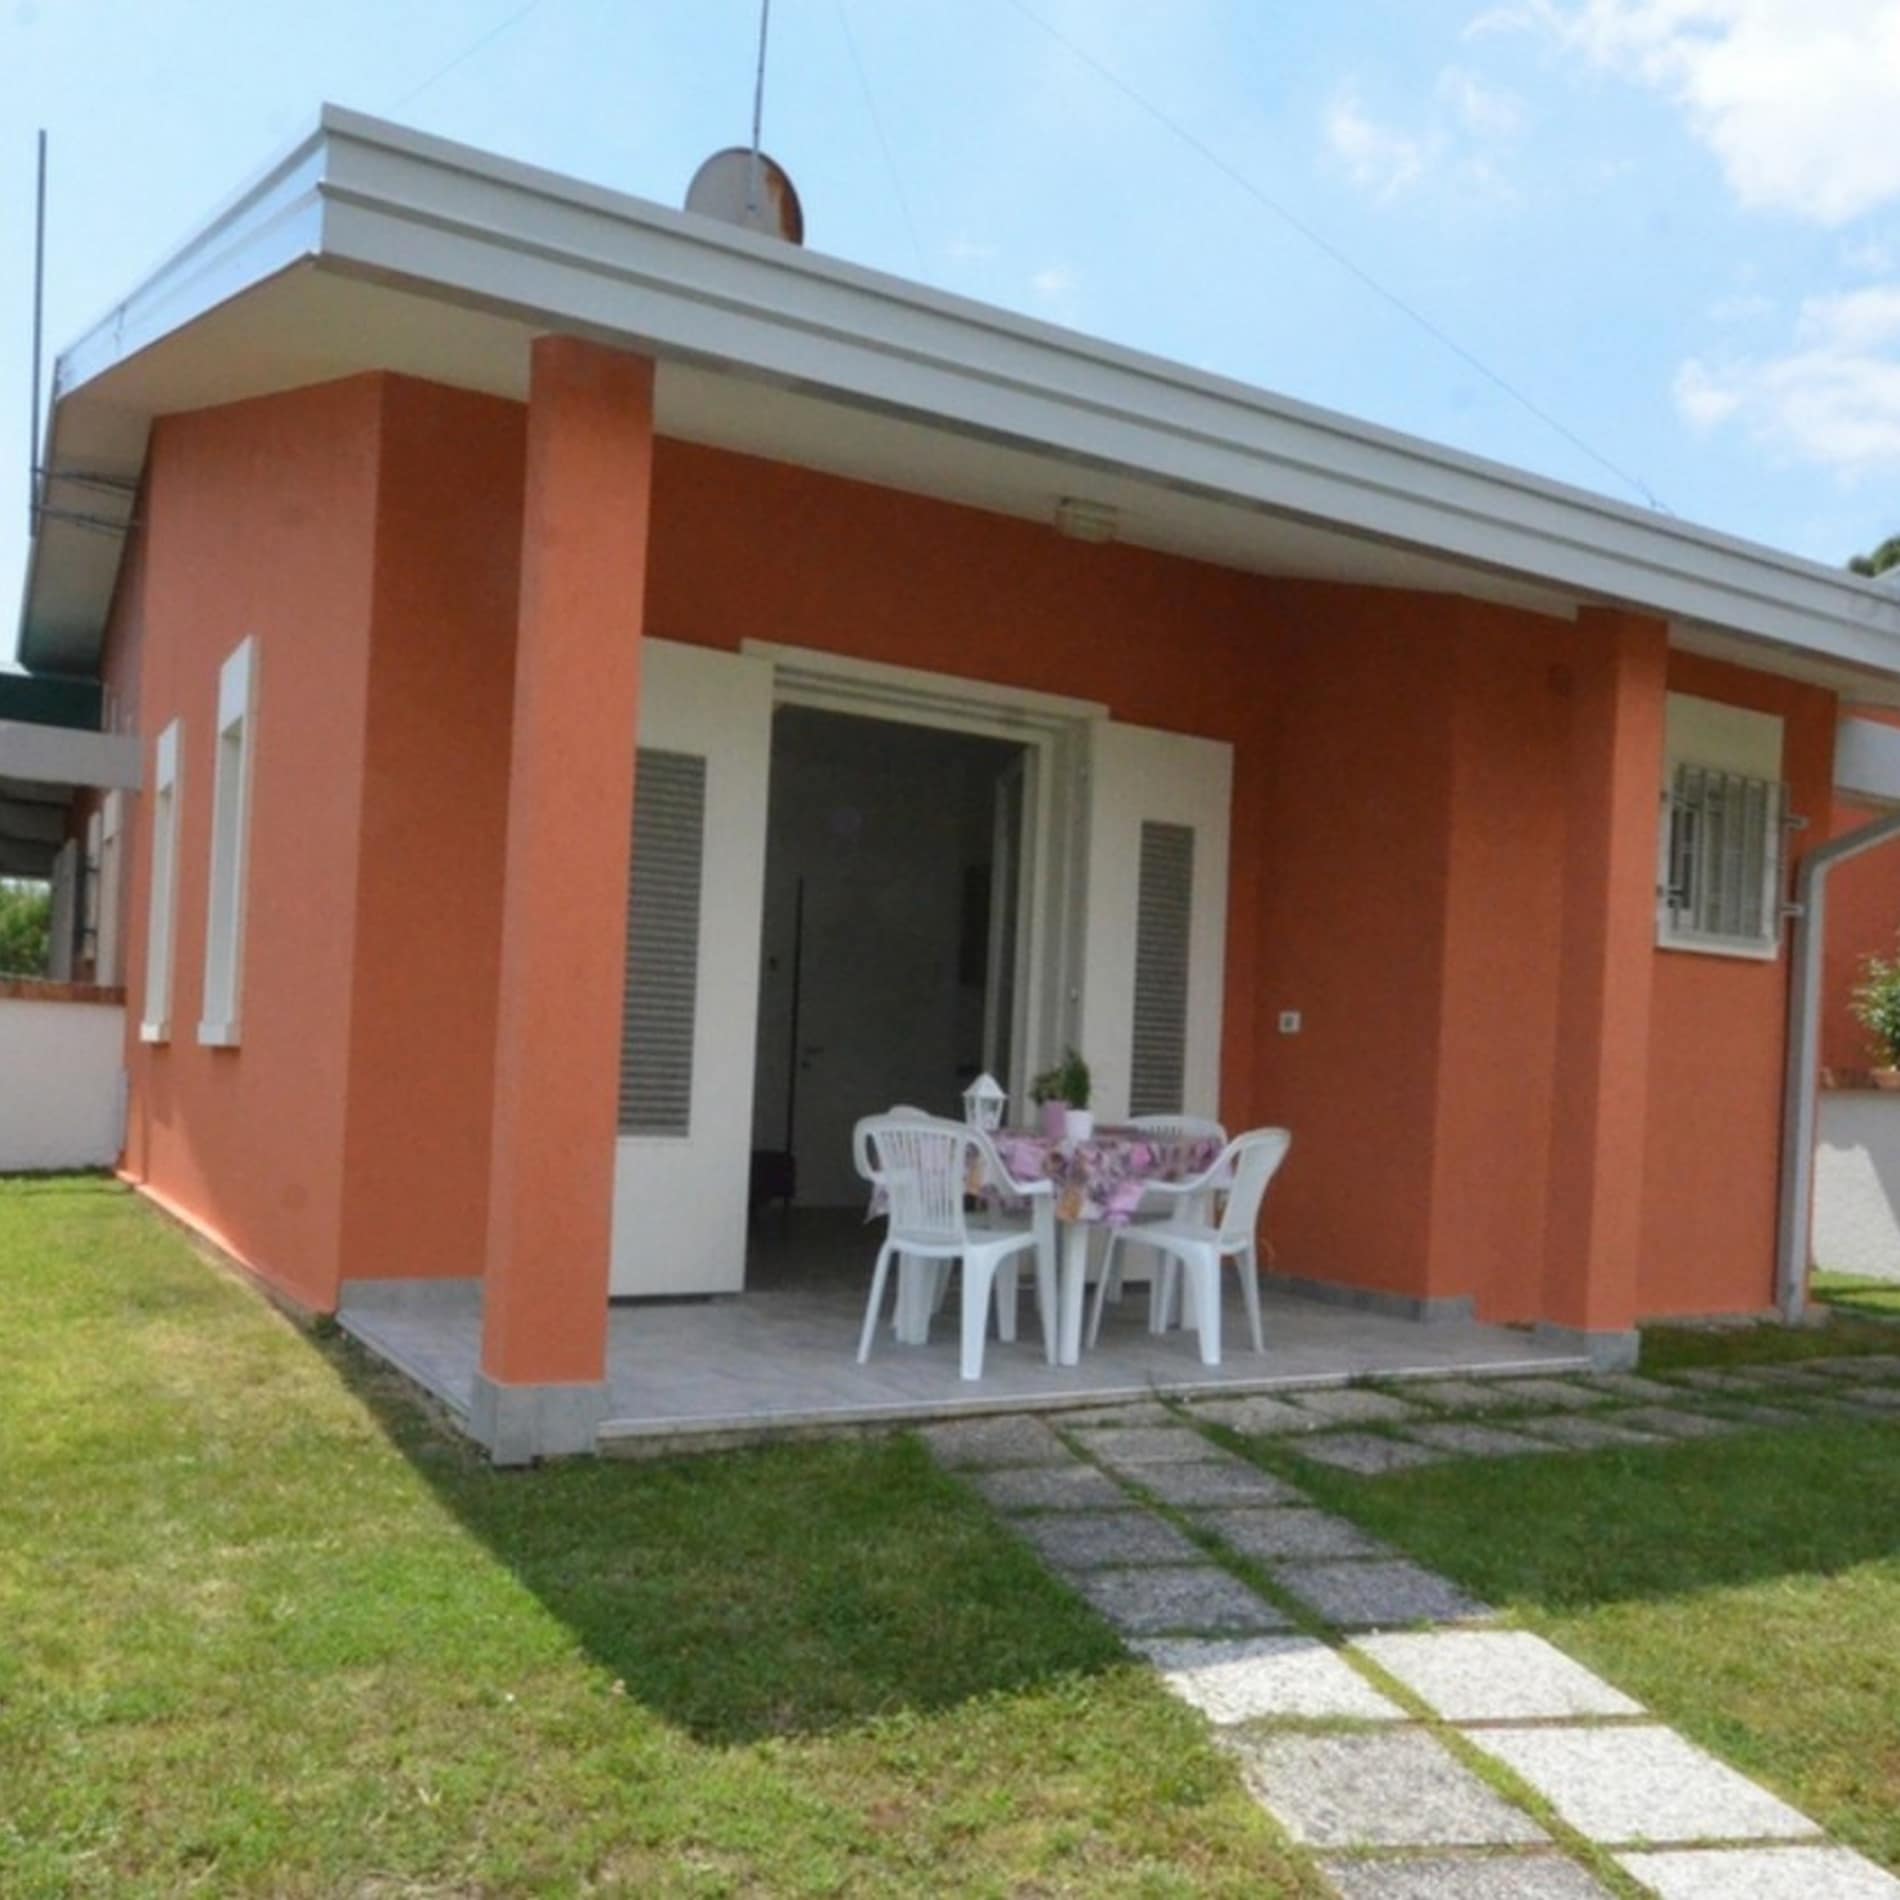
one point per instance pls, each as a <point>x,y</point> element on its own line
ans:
<point>1673,224</point>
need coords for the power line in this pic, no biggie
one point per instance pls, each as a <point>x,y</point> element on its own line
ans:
<point>877,125</point>
<point>468,52</point>
<point>1331,250</point>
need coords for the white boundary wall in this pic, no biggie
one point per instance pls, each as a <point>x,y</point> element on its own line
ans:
<point>1857,1182</point>
<point>62,1083</point>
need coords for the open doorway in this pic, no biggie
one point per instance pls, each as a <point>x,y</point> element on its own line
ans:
<point>890,946</point>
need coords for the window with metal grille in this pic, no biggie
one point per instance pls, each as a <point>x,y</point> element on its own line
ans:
<point>1164,909</point>
<point>662,995</point>
<point>1722,862</point>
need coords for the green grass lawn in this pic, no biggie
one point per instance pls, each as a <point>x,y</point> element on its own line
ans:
<point>1849,1294</point>
<point>1747,1589</point>
<point>264,1627</point>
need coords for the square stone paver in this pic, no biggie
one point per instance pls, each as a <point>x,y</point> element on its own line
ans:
<point>1147,1445</point>
<point>1763,1417</point>
<point>1198,1597</point>
<point>1257,1417</point>
<point>1380,1595</point>
<point>1105,1540</point>
<point>966,1443</point>
<point>1876,1366</point>
<point>1474,1441</point>
<point>1463,1395</point>
<point>1589,1434</point>
<point>1369,1456</point>
<point>1276,1535</point>
<point>1641,1786</point>
<point>1629,1385</point>
<point>1135,1412</point>
<point>1071,1487</point>
<point>1761,1873</point>
<point>1876,1398</point>
<point>1791,1378</point>
<point>1354,1405</point>
<point>1227,1482</point>
<point>1494,1676</point>
<point>1256,1678</point>
<point>1378,1790</point>
<point>1465,1877</point>
<point>1546,1395</point>
<point>1667,1423</point>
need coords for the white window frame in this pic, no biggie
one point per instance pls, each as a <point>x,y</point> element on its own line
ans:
<point>105,964</point>
<point>1741,751</point>
<point>161,916</point>
<point>227,885</point>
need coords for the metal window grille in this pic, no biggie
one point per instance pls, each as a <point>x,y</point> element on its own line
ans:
<point>1722,860</point>
<point>663,922</point>
<point>1164,910</point>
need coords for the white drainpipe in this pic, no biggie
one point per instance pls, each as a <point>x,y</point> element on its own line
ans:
<point>1804,1054</point>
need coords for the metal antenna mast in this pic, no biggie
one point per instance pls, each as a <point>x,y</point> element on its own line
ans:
<point>39,308</point>
<point>755,176</point>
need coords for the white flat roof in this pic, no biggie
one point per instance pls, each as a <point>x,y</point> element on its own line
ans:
<point>368,246</point>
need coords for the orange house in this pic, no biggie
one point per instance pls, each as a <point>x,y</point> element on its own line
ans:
<point>465,546</point>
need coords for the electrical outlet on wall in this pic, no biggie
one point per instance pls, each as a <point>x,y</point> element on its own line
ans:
<point>1289,1022</point>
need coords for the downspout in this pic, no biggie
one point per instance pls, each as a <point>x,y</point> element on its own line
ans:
<point>1804,1055</point>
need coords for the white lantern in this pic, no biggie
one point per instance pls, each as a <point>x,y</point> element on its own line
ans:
<point>983,1104</point>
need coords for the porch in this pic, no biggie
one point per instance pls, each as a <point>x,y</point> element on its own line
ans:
<point>781,1357</point>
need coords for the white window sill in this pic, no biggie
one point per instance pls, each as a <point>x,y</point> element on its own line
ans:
<point>218,1035</point>
<point>155,1032</point>
<point>1716,947</point>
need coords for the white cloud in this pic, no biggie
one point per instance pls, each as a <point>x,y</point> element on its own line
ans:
<point>1743,306</point>
<point>1832,399</point>
<point>1378,158</point>
<point>1798,99</point>
<point>1467,126</point>
<point>1054,281</point>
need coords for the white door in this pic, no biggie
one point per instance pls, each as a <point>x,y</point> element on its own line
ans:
<point>687,1051</point>
<point>1155,920</point>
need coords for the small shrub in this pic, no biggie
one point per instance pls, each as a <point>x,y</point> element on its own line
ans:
<point>26,916</point>
<point>1877,1007</point>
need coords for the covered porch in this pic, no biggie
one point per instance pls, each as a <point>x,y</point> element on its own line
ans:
<point>781,1357</point>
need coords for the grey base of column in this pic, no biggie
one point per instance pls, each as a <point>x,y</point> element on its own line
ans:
<point>1607,1352</point>
<point>516,1424</point>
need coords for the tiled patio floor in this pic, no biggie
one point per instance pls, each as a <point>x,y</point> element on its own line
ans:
<point>785,1356</point>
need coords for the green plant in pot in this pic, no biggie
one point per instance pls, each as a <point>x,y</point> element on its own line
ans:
<point>1877,1007</point>
<point>1062,1093</point>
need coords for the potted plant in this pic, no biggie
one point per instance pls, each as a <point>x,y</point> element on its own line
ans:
<point>1062,1094</point>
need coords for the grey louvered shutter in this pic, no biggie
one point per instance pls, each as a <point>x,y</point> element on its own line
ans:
<point>663,922</point>
<point>1157,1080</point>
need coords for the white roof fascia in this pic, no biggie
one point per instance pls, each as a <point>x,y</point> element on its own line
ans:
<point>444,221</point>
<point>68,755</point>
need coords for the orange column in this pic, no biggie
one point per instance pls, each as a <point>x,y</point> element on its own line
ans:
<point>1593,1225</point>
<point>564,905</point>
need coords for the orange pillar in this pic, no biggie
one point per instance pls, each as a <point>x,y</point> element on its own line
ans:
<point>1593,1222</point>
<point>542,1387</point>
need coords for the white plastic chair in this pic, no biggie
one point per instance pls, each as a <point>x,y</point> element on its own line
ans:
<point>1244,1168</point>
<point>1161,1288</point>
<point>922,1165</point>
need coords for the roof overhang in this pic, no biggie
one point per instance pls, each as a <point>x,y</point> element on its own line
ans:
<point>371,247</point>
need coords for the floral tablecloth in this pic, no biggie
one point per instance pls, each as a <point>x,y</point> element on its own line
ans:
<point>1103,1178</point>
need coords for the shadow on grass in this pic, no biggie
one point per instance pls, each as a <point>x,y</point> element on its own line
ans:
<point>787,1590</point>
<point>1860,1297</point>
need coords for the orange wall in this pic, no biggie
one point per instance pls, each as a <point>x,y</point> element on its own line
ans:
<point>1400,839</point>
<point>435,802</point>
<point>1717,1045</point>
<point>259,521</point>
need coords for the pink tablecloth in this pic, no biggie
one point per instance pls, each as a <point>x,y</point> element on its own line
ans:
<point>1103,1178</point>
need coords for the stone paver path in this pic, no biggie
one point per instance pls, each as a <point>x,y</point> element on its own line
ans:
<point>1375,1709</point>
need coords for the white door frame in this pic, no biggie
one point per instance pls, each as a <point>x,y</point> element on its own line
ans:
<point>1053,730</point>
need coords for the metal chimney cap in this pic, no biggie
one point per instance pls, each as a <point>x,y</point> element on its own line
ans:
<point>726,187</point>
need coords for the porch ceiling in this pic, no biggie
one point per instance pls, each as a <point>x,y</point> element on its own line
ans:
<point>371,248</point>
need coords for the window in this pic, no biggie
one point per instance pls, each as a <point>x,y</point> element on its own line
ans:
<point>230,847</point>
<point>156,1022</point>
<point>105,962</point>
<point>1724,819</point>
